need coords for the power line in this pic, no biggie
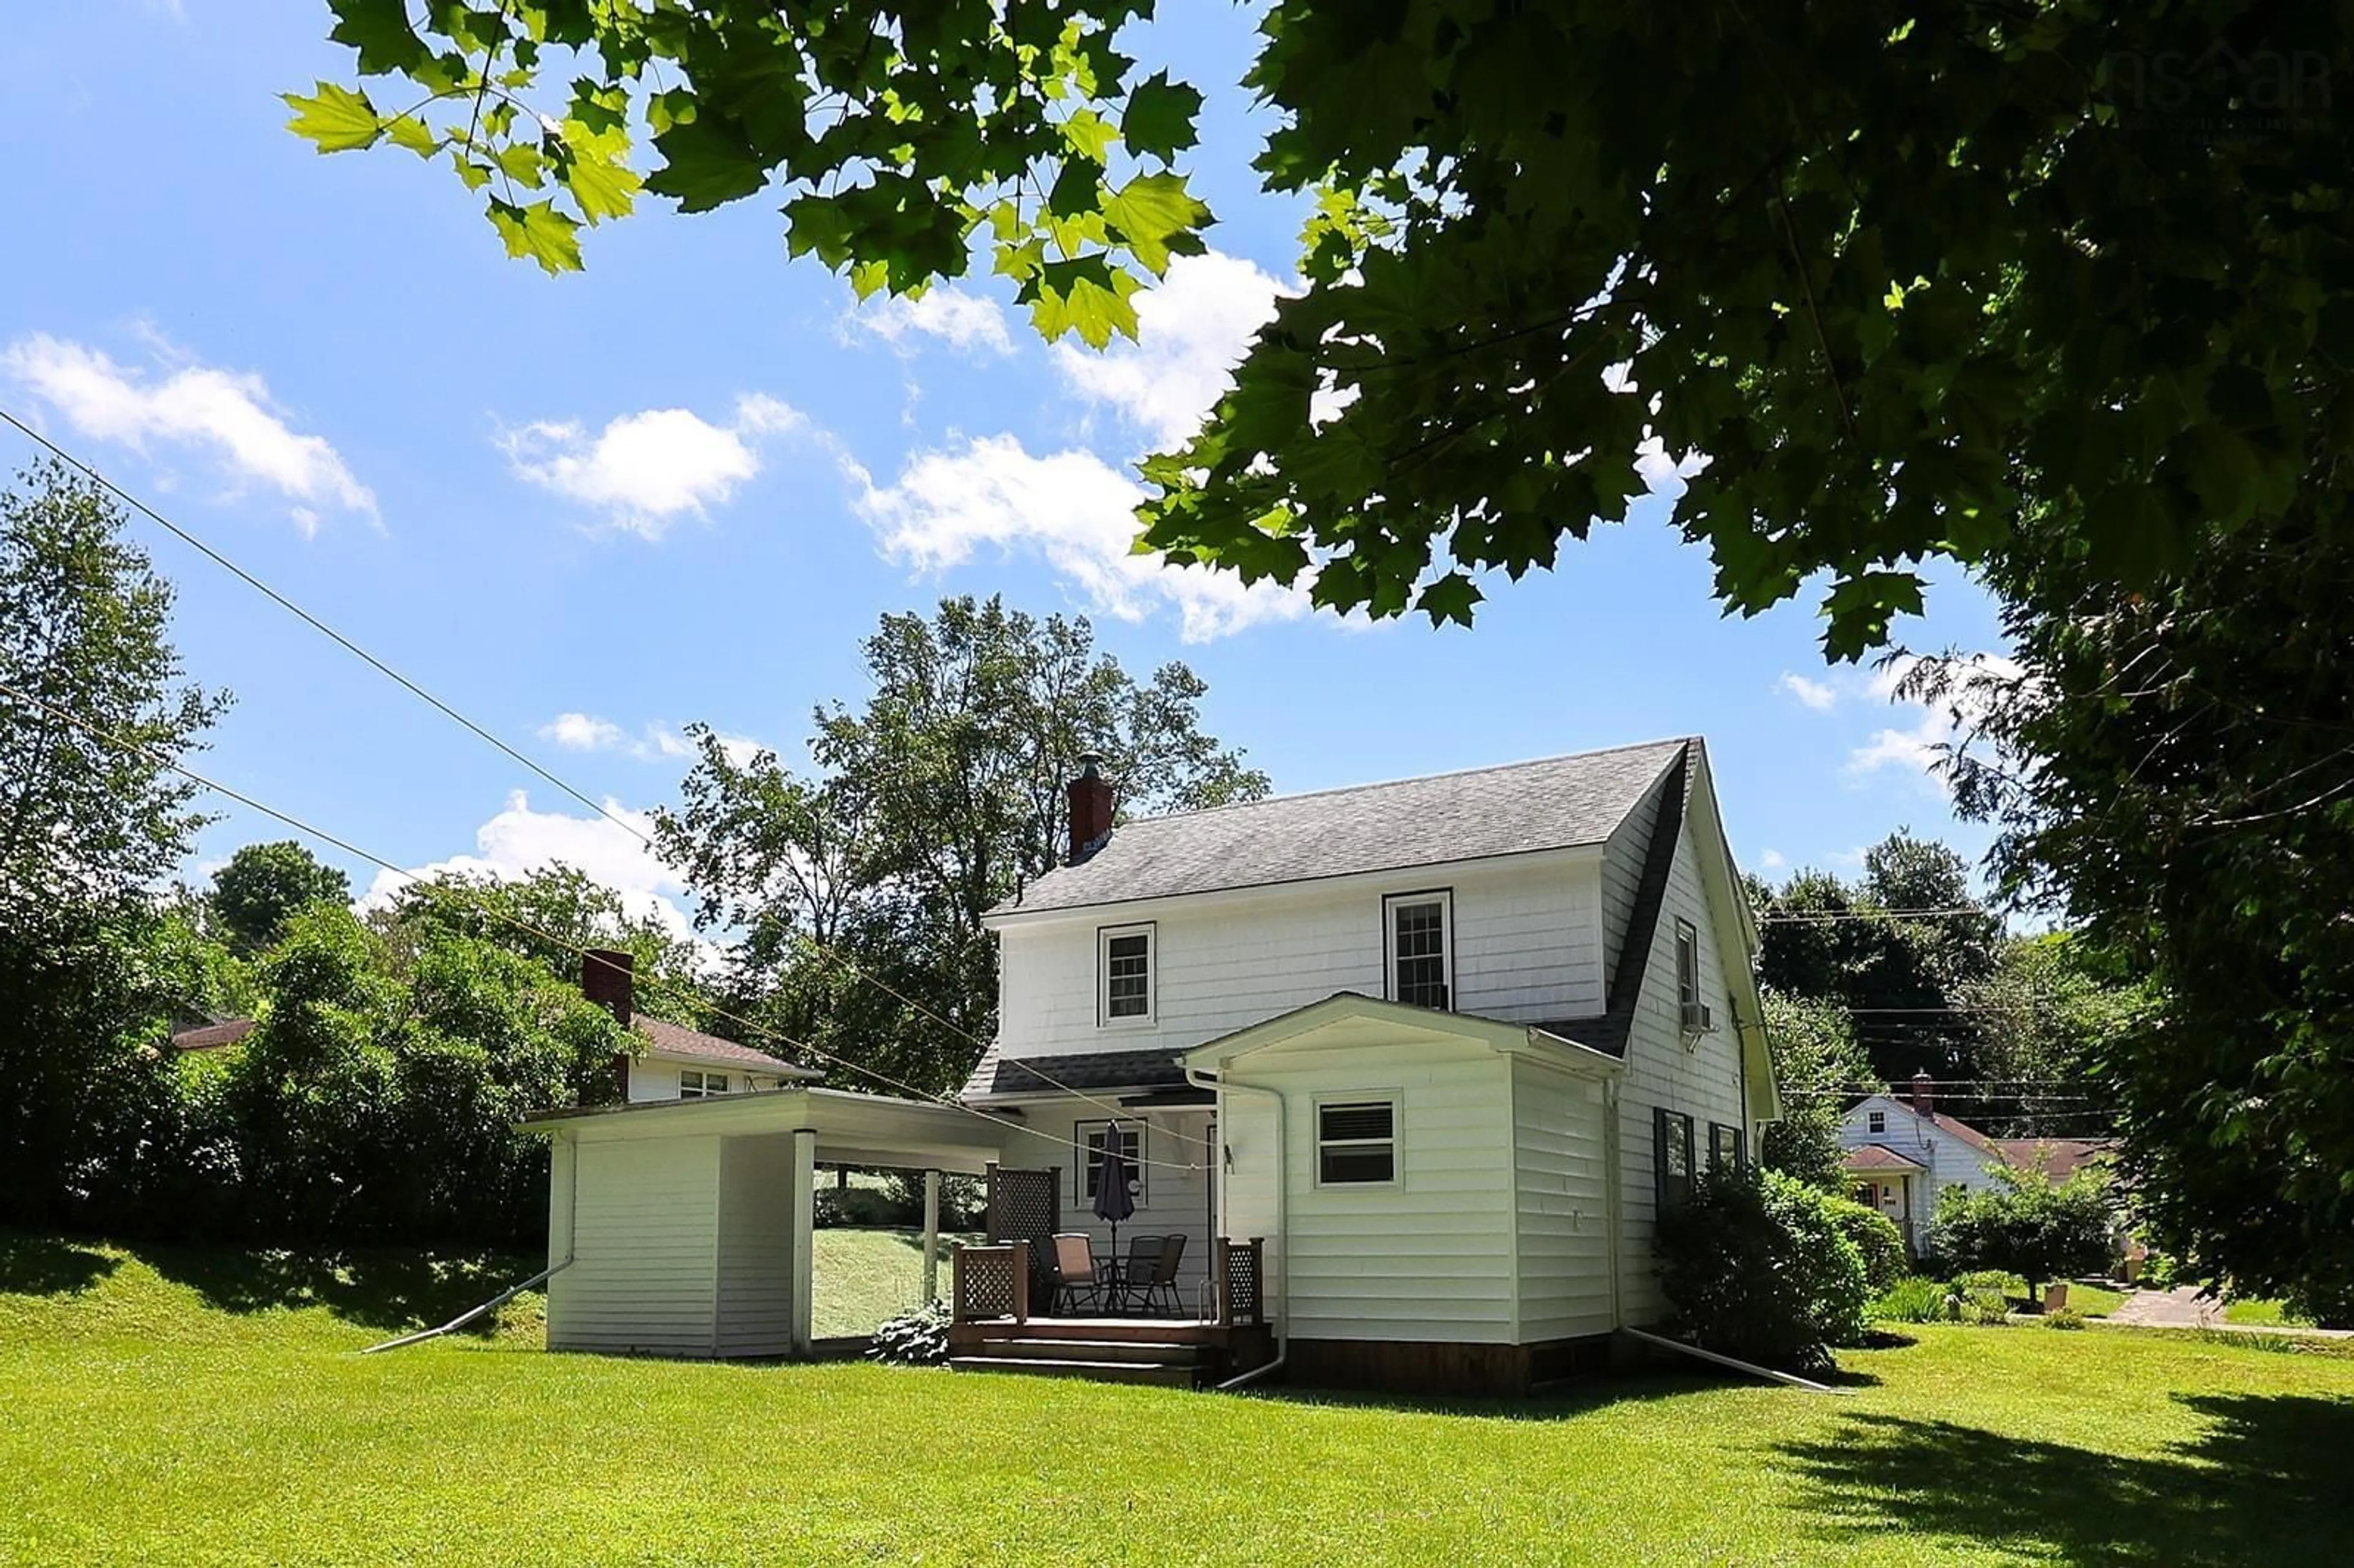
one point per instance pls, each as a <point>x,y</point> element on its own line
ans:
<point>1786,918</point>
<point>447,891</point>
<point>1119,1112</point>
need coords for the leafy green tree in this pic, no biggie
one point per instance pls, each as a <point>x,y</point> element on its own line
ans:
<point>937,797</point>
<point>86,828</point>
<point>2171,771</point>
<point>1821,1070</point>
<point>262,885</point>
<point>2029,1226</point>
<point>2047,1016</point>
<point>1905,284</point>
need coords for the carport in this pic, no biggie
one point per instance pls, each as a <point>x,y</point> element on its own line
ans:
<point>683,1227</point>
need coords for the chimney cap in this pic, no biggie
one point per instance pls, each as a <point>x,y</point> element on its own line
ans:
<point>1090,765</point>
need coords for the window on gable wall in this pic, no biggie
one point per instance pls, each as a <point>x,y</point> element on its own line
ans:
<point>1124,962</point>
<point>1671,1156</point>
<point>1875,1122</point>
<point>1689,1009</point>
<point>1725,1147</point>
<point>1420,937</point>
<point>1094,1137</point>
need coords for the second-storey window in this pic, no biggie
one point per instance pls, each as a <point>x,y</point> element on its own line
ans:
<point>1421,941</point>
<point>1124,963</point>
<point>695,1085</point>
<point>1875,1122</point>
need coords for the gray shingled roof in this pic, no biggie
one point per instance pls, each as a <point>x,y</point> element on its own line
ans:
<point>1556,803</point>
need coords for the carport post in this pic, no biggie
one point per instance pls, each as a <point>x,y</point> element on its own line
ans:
<point>931,1236</point>
<point>803,1198</point>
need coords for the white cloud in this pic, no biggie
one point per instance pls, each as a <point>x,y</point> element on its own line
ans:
<point>578,732</point>
<point>960,319</point>
<point>1917,746</point>
<point>1072,508</point>
<point>585,732</point>
<point>519,841</point>
<point>1771,859</point>
<point>1819,695</point>
<point>643,471</point>
<point>228,415</point>
<point>1191,330</point>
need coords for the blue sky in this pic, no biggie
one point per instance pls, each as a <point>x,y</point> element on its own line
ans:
<point>587,510</point>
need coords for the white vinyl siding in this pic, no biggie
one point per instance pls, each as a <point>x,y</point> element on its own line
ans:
<point>756,1247</point>
<point>1172,1194</point>
<point>644,1241</point>
<point>1698,1076</point>
<point>1526,943</point>
<point>1427,1256</point>
<point>1561,1202</point>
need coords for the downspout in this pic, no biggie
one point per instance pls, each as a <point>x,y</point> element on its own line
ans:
<point>1613,1178</point>
<point>1220,1086</point>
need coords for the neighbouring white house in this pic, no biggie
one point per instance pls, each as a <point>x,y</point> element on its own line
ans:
<point>1904,1153</point>
<point>1411,1067</point>
<point>672,1062</point>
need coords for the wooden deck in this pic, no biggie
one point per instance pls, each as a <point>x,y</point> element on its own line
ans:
<point>1170,1351</point>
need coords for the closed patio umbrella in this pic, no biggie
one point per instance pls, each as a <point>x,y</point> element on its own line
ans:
<point>1114,1202</point>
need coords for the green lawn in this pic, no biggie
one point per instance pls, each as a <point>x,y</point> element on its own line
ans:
<point>2094,1300</point>
<point>863,1276</point>
<point>165,1407</point>
<point>2260,1314</point>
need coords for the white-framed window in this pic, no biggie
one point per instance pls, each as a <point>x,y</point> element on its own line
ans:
<point>1419,932</point>
<point>1875,1122</point>
<point>1687,971</point>
<point>1095,1136</point>
<point>695,1085</point>
<point>1124,975</point>
<point>1671,1156</point>
<point>1356,1140</point>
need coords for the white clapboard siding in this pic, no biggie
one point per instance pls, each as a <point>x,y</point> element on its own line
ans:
<point>1704,1081</point>
<point>756,1247</point>
<point>1178,1154</point>
<point>1527,946</point>
<point>1561,1202</point>
<point>1429,1257</point>
<point>644,1232</point>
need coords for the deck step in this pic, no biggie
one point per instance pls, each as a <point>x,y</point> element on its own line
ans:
<point>1094,1371</point>
<point>1144,1353</point>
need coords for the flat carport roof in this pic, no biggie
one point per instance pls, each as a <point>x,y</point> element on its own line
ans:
<point>850,1128</point>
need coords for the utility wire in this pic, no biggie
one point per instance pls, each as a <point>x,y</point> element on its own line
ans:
<point>1119,1112</point>
<point>446,891</point>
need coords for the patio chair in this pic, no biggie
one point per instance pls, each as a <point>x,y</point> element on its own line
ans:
<point>1161,1280</point>
<point>1075,1284</point>
<point>1128,1277</point>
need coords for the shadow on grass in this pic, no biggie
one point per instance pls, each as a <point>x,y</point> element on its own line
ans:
<point>2266,1483</point>
<point>43,1266</point>
<point>374,1287</point>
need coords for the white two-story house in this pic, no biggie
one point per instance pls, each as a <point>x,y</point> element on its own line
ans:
<point>1447,1045</point>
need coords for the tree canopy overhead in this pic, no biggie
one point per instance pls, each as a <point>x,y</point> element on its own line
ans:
<point>1902,283</point>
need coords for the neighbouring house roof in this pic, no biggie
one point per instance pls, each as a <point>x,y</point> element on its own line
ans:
<point>667,1039</point>
<point>1879,1157</point>
<point>1560,803</point>
<point>1936,1118</point>
<point>2058,1157</point>
<point>213,1037</point>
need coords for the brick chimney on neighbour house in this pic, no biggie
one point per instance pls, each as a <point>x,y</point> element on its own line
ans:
<point>1924,1100</point>
<point>607,979</point>
<point>1090,809</point>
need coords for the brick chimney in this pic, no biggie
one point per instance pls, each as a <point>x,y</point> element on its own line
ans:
<point>606,979</point>
<point>1090,809</point>
<point>1924,1100</point>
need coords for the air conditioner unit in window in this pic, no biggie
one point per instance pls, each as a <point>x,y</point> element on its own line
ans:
<point>1698,1020</point>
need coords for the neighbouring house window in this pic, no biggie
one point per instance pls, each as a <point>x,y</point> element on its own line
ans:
<point>1725,1147</point>
<point>1124,959</point>
<point>1671,1155</point>
<point>1356,1143</point>
<point>696,1086</point>
<point>1875,1122</point>
<point>1421,942</point>
<point>1094,1137</point>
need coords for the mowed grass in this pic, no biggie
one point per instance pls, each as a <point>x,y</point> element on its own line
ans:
<point>862,1277</point>
<point>162,1408</point>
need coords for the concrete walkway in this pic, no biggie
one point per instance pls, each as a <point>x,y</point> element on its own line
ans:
<point>2184,1307</point>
